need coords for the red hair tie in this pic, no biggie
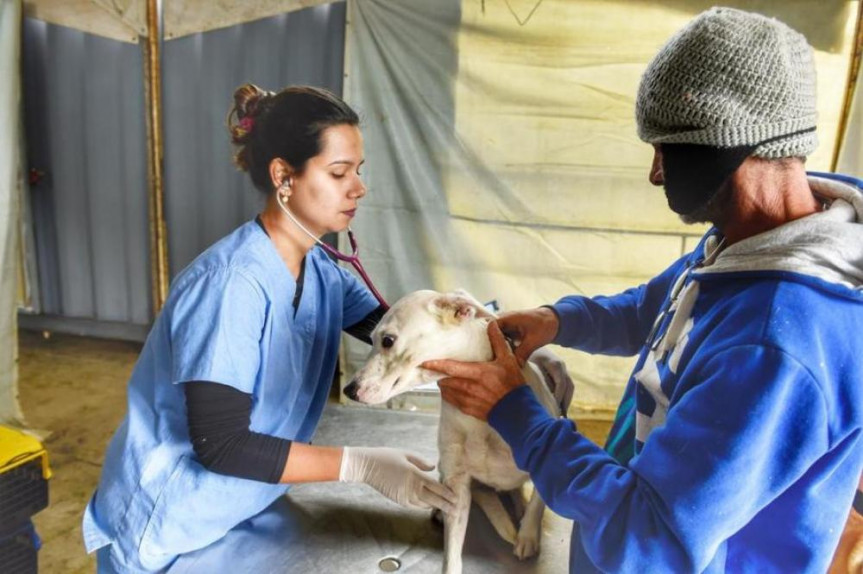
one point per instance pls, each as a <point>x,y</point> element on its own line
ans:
<point>247,124</point>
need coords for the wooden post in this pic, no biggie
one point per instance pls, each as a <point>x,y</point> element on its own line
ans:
<point>853,72</point>
<point>153,88</point>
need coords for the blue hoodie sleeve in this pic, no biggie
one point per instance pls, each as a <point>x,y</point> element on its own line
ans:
<point>617,324</point>
<point>732,444</point>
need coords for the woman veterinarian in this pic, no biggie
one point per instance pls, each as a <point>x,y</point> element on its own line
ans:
<point>232,380</point>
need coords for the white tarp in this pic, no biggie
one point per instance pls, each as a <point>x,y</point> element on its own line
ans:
<point>502,154</point>
<point>126,20</point>
<point>851,150</point>
<point>121,20</point>
<point>184,17</point>
<point>500,137</point>
<point>10,176</point>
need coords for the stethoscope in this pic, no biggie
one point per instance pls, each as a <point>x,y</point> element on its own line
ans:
<point>353,258</point>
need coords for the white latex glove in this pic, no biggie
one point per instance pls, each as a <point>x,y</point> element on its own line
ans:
<point>396,474</point>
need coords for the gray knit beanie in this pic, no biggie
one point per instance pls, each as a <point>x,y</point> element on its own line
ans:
<point>731,78</point>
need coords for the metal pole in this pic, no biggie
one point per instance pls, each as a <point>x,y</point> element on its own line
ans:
<point>153,88</point>
<point>853,72</point>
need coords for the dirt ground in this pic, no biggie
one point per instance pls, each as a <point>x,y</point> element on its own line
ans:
<point>73,389</point>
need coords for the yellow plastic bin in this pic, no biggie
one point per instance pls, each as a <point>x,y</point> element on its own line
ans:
<point>24,474</point>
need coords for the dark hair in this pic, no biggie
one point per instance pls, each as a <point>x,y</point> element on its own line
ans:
<point>288,125</point>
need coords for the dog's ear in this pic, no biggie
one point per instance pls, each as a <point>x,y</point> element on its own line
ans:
<point>453,308</point>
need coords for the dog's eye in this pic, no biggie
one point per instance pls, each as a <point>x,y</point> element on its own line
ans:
<point>387,341</point>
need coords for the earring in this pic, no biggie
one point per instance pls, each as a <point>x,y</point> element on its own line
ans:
<point>285,191</point>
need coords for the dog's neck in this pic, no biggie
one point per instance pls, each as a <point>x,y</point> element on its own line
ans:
<point>478,345</point>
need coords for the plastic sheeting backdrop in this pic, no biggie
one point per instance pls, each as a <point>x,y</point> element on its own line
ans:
<point>10,173</point>
<point>502,150</point>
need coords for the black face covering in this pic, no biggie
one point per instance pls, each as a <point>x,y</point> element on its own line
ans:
<point>694,173</point>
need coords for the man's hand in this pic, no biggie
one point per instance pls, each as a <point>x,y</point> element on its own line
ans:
<point>474,388</point>
<point>529,329</point>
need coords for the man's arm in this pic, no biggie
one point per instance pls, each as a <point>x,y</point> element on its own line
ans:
<point>752,415</point>
<point>617,324</point>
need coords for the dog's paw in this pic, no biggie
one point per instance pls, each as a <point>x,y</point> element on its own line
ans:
<point>526,545</point>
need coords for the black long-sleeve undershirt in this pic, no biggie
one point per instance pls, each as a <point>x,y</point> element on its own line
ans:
<point>219,417</point>
<point>362,330</point>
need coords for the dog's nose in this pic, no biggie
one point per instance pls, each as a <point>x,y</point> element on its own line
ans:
<point>351,390</point>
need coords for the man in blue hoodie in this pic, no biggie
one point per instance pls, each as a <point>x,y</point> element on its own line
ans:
<point>738,443</point>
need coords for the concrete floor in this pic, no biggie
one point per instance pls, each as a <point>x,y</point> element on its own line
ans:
<point>73,390</point>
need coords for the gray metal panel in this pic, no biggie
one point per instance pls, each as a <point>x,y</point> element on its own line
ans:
<point>104,109</point>
<point>133,189</point>
<point>34,72</point>
<point>66,80</point>
<point>85,127</point>
<point>122,331</point>
<point>84,117</point>
<point>206,197</point>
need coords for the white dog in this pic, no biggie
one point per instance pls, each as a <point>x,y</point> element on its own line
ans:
<point>428,325</point>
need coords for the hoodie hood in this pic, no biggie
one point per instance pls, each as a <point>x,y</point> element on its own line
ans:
<point>827,245</point>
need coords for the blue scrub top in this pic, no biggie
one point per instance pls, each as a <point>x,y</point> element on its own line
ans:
<point>229,318</point>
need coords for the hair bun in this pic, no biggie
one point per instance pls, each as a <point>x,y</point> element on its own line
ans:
<point>249,100</point>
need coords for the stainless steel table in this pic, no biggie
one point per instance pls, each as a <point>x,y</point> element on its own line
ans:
<point>347,528</point>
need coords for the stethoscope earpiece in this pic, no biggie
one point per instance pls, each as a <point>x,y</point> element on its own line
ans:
<point>284,191</point>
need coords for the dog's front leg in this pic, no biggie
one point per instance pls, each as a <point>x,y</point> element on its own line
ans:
<point>454,474</point>
<point>530,530</point>
<point>455,522</point>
